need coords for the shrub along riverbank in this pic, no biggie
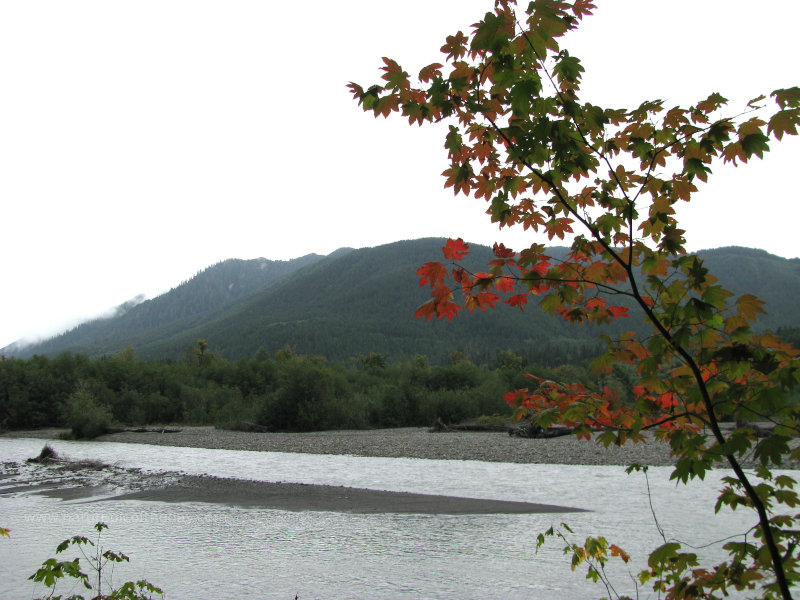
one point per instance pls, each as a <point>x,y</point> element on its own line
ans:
<point>285,392</point>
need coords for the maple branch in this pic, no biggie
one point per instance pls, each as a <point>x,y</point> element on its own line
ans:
<point>682,415</point>
<point>549,181</point>
<point>687,358</point>
<point>686,136</point>
<point>559,159</point>
<point>679,349</point>
<point>758,504</point>
<point>744,534</point>
<point>652,508</point>
<point>599,285</point>
<point>765,417</point>
<point>602,155</point>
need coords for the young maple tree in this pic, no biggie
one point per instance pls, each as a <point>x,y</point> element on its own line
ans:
<point>521,138</point>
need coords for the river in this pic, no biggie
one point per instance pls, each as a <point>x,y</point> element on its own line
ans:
<point>215,551</point>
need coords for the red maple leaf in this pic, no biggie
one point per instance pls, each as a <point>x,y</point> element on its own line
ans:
<point>440,305</point>
<point>518,300</point>
<point>455,249</point>
<point>593,303</point>
<point>505,285</point>
<point>618,311</point>
<point>432,273</point>
<point>482,300</point>
<point>482,280</point>
<point>500,251</point>
<point>427,310</point>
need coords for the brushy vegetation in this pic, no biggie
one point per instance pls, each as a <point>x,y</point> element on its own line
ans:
<point>285,392</point>
<point>93,574</point>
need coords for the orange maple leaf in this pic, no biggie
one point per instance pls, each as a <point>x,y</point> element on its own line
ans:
<point>458,177</point>
<point>455,46</point>
<point>582,8</point>
<point>430,72</point>
<point>387,105</point>
<point>617,551</point>
<point>482,280</point>
<point>593,303</point>
<point>558,227</point>
<point>427,310</point>
<point>748,306</point>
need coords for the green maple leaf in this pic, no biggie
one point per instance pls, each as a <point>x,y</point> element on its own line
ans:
<point>772,449</point>
<point>569,68</point>
<point>755,143</point>
<point>787,97</point>
<point>490,34</point>
<point>694,167</point>
<point>453,141</point>
<point>500,208</point>
<point>716,295</point>
<point>522,94</point>
<point>783,122</point>
<point>438,92</point>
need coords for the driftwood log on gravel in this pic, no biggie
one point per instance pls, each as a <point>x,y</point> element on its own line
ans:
<point>142,430</point>
<point>531,430</point>
<point>440,426</point>
<point>524,430</point>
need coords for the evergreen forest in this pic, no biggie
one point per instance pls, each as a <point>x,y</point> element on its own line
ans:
<point>284,392</point>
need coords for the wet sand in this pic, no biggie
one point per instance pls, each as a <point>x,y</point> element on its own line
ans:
<point>110,483</point>
<point>95,482</point>
<point>302,497</point>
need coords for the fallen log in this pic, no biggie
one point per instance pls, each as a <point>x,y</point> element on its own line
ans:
<point>531,430</point>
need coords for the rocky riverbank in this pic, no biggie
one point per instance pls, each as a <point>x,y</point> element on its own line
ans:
<point>405,442</point>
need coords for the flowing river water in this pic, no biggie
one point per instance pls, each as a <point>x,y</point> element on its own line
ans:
<point>216,551</point>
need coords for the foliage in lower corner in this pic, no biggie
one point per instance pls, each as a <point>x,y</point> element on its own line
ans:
<point>593,554</point>
<point>95,577</point>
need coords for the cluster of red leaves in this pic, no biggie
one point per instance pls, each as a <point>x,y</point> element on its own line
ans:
<point>587,411</point>
<point>512,279</point>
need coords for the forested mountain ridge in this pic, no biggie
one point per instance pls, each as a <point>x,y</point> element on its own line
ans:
<point>774,279</point>
<point>353,302</point>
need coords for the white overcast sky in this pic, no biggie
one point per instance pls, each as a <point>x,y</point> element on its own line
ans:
<point>141,142</point>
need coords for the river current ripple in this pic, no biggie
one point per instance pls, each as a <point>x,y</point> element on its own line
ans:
<point>212,551</point>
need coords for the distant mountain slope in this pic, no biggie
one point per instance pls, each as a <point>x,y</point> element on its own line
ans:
<point>360,301</point>
<point>774,279</point>
<point>196,300</point>
<point>364,302</point>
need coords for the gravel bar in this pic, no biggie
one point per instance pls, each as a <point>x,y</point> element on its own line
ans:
<point>413,443</point>
<point>408,442</point>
